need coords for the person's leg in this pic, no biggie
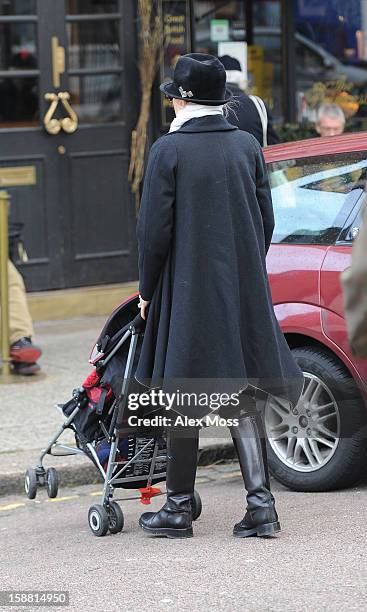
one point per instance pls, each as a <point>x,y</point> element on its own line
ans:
<point>22,350</point>
<point>174,520</point>
<point>249,439</point>
<point>20,321</point>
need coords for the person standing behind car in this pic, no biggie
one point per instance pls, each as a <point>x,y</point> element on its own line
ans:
<point>330,120</point>
<point>354,283</point>
<point>247,112</point>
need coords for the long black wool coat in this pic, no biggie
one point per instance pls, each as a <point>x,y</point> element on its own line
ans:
<point>205,225</point>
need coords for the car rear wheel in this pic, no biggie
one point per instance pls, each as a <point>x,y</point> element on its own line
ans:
<point>320,444</point>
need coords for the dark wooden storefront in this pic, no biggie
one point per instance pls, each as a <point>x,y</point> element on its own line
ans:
<point>68,181</point>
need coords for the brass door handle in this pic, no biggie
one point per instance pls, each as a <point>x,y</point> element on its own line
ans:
<point>52,125</point>
<point>69,124</point>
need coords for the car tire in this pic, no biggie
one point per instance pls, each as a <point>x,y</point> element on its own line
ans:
<point>348,459</point>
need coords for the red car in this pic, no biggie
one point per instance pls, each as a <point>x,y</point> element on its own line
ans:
<point>318,197</point>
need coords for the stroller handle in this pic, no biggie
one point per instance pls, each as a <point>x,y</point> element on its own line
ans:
<point>138,323</point>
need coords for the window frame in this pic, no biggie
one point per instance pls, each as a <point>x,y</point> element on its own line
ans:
<point>355,219</point>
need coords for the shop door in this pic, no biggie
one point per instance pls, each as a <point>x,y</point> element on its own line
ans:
<point>67,106</point>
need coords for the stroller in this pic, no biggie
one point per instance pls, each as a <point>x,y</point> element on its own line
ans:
<point>126,457</point>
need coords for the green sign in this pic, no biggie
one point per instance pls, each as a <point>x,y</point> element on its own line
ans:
<point>219,30</point>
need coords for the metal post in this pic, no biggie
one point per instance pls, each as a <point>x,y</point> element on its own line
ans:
<point>288,62</point>
<point>4,286</point>
<point>249,21</point>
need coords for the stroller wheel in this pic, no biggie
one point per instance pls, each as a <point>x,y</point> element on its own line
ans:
<point>115,517</point>
<point>30,483</point>
<point>196,506</point>
<point>98,520</point>
<point>52,482</point>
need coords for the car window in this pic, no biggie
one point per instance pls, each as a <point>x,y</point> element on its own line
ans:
<point>313,197</point>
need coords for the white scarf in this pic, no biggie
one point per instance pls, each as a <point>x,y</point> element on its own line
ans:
<point>192,110</point>
<point>236,77</point>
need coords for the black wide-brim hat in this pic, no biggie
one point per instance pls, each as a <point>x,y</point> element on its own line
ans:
<point>198,78</point>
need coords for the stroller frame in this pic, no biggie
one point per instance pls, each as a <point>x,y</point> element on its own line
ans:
<point>107,515</point>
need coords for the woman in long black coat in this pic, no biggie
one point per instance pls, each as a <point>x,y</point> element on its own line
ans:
<point>205,226</point>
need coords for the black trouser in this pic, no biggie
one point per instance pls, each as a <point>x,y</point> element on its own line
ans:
<point>249,441</point>
<point>182,459</point>
<point>175,518</point>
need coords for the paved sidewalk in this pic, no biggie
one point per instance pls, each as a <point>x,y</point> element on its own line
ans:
<point>29,419</point>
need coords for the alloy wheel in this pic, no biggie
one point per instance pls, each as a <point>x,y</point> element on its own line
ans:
<point>304,438</point>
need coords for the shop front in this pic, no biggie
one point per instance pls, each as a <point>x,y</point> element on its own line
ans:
<point>69,99</point>
<point>67,107</point>
<point>296,54</point>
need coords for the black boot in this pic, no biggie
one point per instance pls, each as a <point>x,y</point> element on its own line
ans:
<point>174,520</point>
<point>261,518</point>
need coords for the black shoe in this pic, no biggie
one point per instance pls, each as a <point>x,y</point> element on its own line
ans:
<point>25,369</point>
<point>261,525</point>
<point>174,520</point>
<point>23,350</point>
<point>261,518</point>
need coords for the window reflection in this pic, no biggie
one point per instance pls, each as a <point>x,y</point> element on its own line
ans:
<point>18,102</point>
<point>91,7</point>
<point>18,49</point>
<point>331,61</point>
<point>219,23</point>
<point>216,22</point>
<point>96,98</point>
<point>93,44</point>
<point>267,67</point>
<point>17,7</point>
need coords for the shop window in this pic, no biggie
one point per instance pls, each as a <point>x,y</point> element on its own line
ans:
<point>331,40</point>
<point>93,44</point>
<point>17,7</point>
<point>177,42</point>
<point>18,46</point>
<point>221,29</point>
<point>91,7</point>
<point>96,98</point>
<point>18,102</point>
<point>266,73</point>
<point>19,67</point>
<point>217,22</point>
<point>308,59</point>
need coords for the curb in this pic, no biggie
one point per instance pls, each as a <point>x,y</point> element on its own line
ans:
<point>86,474</point>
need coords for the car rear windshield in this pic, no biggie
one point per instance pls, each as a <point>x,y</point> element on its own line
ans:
<point>313,197</point>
